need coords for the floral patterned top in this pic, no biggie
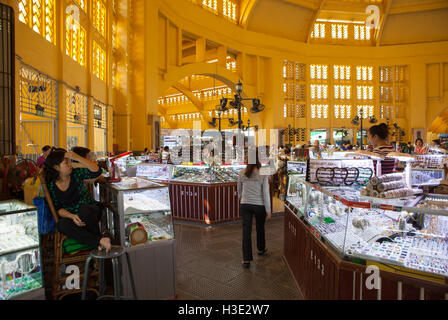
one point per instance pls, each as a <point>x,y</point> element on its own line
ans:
<point>71,200</point>
<point>76,195</point>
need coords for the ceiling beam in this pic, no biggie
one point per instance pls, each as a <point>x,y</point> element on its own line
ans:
<point>422,6</point>
<point>345,6</point>
<point>246,9</point>
<point>313,21</point>
<point>379,33</point>
<point>194,100</point>
<point>188,45</point>
<point>167,118</point>
<point>304,3</point>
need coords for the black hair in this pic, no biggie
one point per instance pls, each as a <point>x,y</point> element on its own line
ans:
<point>419,139</point>
<point>81,151</point>
<point>46,148</point>
<point>166,148</point>
<point>55,158</point>
<point>251,167</point>
<point>381,130</point>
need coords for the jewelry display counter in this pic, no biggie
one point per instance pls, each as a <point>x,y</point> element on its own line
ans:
<point>140,218</point>
<point>155,171</point>
<point>206,195</point>
<point>337,241</point>
<point>20,257</point>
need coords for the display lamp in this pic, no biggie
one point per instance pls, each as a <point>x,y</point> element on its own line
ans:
<point>114,175</point>
<point>408,159</point>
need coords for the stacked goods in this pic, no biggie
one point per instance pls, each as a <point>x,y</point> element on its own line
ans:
<point>388,186</point>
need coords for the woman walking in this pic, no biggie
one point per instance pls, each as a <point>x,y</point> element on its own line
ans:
<point>254,194</point>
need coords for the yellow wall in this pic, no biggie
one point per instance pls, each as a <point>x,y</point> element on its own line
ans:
<point>149,61</point>
<point>50,59</point>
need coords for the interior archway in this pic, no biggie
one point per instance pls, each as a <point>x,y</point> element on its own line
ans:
<point>196,98</point>
<point>439,125</point>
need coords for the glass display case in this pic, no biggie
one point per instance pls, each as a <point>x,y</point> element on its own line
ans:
<point>430,161</point>
<point>296,167</point>
<point>427,177</point>
<point>206,174</point>
<point>140,219</point>
<point>20,263</point>
<point>410,232</point>
<point>144,211</point>
<point>160,172</point>
<point>344,172</point>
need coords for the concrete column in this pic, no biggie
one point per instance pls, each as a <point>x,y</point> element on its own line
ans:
<point>62,94</point>
<point>222,56</point>
<point>62,116</point>
<point>200,50</point>
<point>417,118</point>
<point>152,71</point>
<point>90,124</point>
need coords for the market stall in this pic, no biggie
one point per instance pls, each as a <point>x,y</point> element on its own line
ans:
<point>140,218</point>
<point>341,245</point>
<point>205,194</point>
<point>21,275</point>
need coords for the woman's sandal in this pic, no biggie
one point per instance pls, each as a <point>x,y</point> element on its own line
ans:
<point>246,265</point>
<point>263,252</point>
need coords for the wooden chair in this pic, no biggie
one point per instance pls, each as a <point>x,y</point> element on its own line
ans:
<point>58,282</point>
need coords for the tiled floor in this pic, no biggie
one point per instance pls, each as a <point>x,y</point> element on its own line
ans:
<point>209,265</point>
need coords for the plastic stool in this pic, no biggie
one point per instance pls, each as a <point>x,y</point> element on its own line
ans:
<point>114,254</point>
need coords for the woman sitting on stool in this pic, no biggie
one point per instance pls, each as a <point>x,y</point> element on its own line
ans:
<point>79,215</point>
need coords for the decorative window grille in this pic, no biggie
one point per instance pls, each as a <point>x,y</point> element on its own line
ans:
<point>100,116</point>
<point>229,10</point>
<point>319,92</point>
<point>99,17</point>
<point>342,92</point>
<point>386,112</point>
<point>342,111</point>
<point>76,105</point>
<point>339,31</point>
<point>38,94</point>
<point>231,64</point>
<point>342,72</point>
<point>319,72</point>
<point>288,70</point>
<point>385,74</point>
<point>318,31</point>
<point>368,111</point>
<point>39,15</point>
<point>300,111</point>
<point>300,72</point>
<point>300,92</point>
<point>99,61</point>
<point>364,73</point>
<point>361,32</point>
<point>364,92</point>
<point>211,5</point>
<point>76,43</point>
<point>319,111</point>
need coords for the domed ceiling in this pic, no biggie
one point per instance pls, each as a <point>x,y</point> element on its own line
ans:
<point>400,21</point>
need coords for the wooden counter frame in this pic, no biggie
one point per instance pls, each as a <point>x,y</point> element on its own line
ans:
<point>321,275</point>
<point>206,203</point>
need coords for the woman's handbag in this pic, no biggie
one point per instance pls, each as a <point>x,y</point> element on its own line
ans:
<point>46,223</point>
